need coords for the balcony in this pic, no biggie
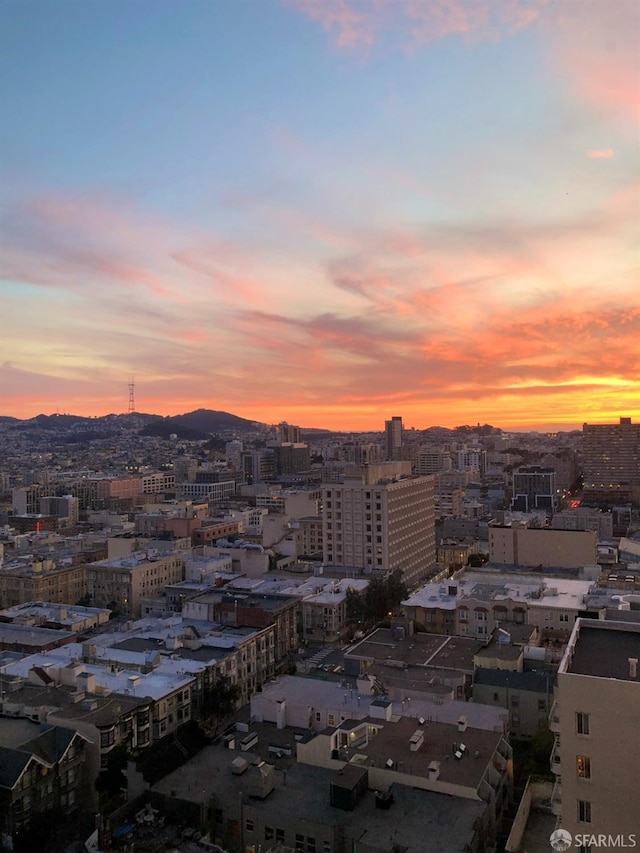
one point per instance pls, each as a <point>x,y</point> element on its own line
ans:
<point>554,718</point>
<point>555,756</point>
<point>556,797</point>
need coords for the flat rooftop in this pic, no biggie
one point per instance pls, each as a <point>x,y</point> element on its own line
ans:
<point>418,821</point>
<point>435,650</point>
<point>603,650</point>
<point>392,743</point>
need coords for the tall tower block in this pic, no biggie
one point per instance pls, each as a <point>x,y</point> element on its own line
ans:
<point>132,403</point>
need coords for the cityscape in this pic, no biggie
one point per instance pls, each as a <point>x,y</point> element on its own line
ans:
<point>319,426</point>
<point>223,635</point>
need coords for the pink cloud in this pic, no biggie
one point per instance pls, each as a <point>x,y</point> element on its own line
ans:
<point>354,25</point>
<point>600,153</point>
<point>594,45</point>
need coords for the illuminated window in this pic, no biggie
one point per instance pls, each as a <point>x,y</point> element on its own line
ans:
<point>583,766</point>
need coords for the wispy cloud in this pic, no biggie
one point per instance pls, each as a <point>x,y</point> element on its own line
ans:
<point>357,26</point>
<point>600,153</point>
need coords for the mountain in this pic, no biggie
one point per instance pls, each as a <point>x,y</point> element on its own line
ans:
<point>195,426</point>
<point>208,421</point>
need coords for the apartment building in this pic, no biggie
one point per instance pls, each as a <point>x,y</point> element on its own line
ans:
<point>122,583</point>
<point>236,609</point>
<point>382,518</point>
<point>595,723</point>
<point>42,771</point>
<point>41,580</point>
<point>611,463</point>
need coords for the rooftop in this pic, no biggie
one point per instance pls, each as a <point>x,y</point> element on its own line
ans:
<point>434,650</point>
<point>441,740</point>
<point>602,649</point>
<point>419,821</point>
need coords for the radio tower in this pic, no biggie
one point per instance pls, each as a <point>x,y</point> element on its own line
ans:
<point>132,403</point>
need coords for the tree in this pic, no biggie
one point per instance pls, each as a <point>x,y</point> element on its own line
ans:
<point>355,606</point>
<point>396,589</point>
<point>219,701</point>
<point>111,779</point>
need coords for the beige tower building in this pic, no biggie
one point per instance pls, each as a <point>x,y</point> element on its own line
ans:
<point>383,518</point>
<point>596,720</point>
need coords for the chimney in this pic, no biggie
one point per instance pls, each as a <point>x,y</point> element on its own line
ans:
<point>633,667</point>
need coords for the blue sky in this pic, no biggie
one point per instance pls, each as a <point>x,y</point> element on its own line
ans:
<point>322,210</point>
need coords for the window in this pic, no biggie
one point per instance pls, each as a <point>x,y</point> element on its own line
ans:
<point>515,701</point>
<point>582,724</point>
<point>542,704</point>
<point>326,847</point>
<point>496,698</point>
<point>584,811</point>
<point>107,738</point>
<point>268,833</point>
<point>280,835</point>
<point>583,767</point>
<point>248,824</point>
<point>299,844</point>
<point>318,716</point>
<point>331,720</point>
<point>311,845</point>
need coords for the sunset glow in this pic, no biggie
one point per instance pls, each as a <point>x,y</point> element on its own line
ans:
<point>323,211</point>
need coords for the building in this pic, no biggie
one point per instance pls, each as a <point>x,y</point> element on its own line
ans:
<point>42,771</point>
<point>121,584</point>
<point>393,438</point>
<point>534,488</point>
<point>45,614</point>
<point>381,518</point>
<point>236,609</point>
<point>288,433</point>
<point>311,529</point>
<point>527,696</point>
<point>324,613</point>
<point>41,580</point>
<point>585,518</point>
<point>595,722</point>
<point>65,508</point>
<point>519,545</point>
<point>611,463</point>
<point>248,804</point>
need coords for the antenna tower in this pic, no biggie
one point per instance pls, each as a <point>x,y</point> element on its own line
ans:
<point>132,403</point>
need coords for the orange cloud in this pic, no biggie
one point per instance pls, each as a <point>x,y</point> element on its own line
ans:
<point>600,153</point>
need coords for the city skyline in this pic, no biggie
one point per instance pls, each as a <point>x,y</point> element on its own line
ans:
<point>329,212</point>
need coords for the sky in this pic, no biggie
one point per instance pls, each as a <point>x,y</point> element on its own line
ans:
<point>329,212</point>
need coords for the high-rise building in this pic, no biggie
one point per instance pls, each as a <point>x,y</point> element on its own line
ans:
<point>595,722</point>
<point>382,518</point>
<point>611,463</point>
<point>393,438</point>
<point>288,433</point>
